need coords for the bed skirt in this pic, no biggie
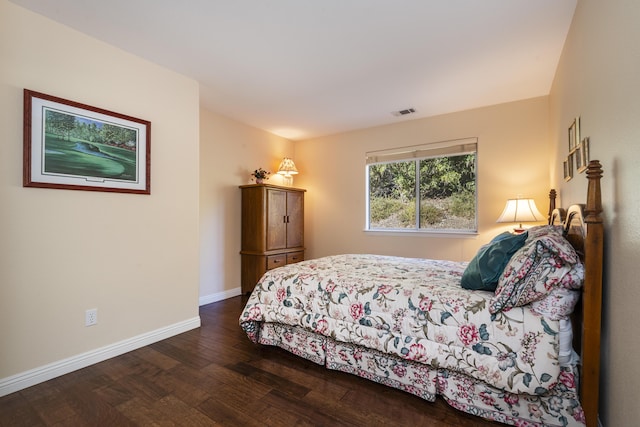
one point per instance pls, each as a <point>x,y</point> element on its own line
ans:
<point>557,407</point>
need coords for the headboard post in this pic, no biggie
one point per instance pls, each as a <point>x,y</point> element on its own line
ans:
<point>592,296</point>
<point>552,202</point>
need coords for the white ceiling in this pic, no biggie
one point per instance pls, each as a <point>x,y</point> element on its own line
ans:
<point>307,68</point>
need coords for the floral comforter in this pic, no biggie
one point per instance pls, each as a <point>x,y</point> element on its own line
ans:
<point>414,309</point>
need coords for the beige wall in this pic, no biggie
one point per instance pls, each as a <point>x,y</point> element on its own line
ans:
<point>598,80</point>
<point>229,152</point>
<point>134,257</point>
<point>65,251</point>
<point>513,159</point>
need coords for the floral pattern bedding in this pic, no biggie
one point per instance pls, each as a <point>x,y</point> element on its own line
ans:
<point>414,310</point>
<point>557,407</point>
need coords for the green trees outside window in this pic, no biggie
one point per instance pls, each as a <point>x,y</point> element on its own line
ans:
<point>436,193</point>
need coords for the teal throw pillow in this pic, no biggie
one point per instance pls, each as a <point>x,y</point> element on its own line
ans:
<point>487,266</point>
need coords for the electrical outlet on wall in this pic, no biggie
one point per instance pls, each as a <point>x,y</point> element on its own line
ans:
<point>91,317</point>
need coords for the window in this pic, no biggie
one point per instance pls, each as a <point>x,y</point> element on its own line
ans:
<point>429,187</point>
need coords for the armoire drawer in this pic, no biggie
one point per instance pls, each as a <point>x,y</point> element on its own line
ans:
<point>275,261</point>
<point>293,257</point>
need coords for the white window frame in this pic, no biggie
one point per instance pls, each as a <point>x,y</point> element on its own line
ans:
<point>420,152</point>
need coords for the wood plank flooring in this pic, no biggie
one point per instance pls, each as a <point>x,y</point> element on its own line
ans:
<point>215,375</point>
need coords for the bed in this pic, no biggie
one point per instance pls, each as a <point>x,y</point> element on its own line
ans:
<point>502,348</point>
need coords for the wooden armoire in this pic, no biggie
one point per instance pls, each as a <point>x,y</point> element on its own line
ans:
<point>272,230</point>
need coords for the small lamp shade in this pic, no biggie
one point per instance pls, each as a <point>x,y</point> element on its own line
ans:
<point>520,210</point>
<point>287,168</point>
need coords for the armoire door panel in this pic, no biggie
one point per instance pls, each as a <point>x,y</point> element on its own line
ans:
<point>295,219</point>
<point>277,215</point>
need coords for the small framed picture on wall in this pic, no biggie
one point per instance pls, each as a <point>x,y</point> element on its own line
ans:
<point>574,134</point>
<point>582,155</point>
<point>568,167</point>
<point>578,155</point>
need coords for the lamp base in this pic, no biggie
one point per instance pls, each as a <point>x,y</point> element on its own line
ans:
<point>287,180</point>
<point>519,230</point>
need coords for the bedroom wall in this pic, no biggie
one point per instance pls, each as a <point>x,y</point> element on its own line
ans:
<point>133,257</point>
<point>513,159</point>
<point>597,79</point>
<point>229,152</point>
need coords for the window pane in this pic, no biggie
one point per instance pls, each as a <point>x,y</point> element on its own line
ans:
<point>392,195</point>
<point>448,193</point>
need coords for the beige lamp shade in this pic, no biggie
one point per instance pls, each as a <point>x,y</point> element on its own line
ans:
<point>287,167</point>
<point>519,211</point>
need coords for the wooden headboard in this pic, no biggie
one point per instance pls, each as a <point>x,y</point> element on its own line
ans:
<point>583,227</point>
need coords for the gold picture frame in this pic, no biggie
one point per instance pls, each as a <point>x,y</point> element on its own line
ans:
<point>582,155</point>
<point>568,167</point>
<point>574,134</point>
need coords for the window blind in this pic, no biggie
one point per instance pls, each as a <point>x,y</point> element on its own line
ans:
<point>453,147</point>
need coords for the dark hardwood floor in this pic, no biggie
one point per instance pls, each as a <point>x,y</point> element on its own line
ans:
<point>215,375</point>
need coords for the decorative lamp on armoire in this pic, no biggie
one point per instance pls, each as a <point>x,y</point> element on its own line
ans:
<point>287,169</point>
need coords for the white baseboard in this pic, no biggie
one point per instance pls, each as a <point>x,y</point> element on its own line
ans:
<point>219,296</point>
<point>44,373</point>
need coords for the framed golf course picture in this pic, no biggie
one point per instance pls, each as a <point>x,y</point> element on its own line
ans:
<point>74,146</point>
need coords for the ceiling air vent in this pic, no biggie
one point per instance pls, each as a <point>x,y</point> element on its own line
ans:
<point>404,112</point>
